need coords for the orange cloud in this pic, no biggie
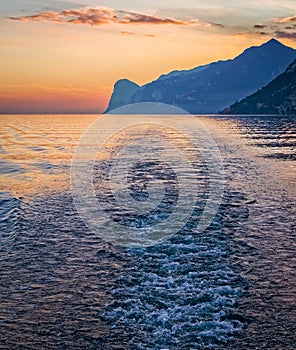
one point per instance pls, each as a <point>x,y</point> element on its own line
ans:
<point>41,17</point>
<point>286,19</point>
<point>101,16</point>
<point>133,17</point>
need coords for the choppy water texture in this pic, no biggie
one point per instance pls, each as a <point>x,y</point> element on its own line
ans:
<point>231,287</point>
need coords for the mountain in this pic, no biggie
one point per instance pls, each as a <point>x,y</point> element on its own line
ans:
<point>212,87</point>
<point>122,93</point>
<point>278,97</point>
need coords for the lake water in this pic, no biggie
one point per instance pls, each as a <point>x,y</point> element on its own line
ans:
<point>230,286</point>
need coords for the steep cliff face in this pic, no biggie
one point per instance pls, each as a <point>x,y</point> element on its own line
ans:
<point>278,97</point>
<point>211,88</point>
<point>122,93</point>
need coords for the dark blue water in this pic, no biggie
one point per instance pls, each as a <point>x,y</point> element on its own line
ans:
<point>229,287</point>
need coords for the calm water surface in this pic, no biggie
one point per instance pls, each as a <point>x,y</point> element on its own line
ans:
<point>231,287</point>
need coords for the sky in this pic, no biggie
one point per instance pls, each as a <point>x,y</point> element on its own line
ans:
<point>65,56</point>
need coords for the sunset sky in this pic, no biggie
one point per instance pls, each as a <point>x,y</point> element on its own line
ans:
<point>64,56</point>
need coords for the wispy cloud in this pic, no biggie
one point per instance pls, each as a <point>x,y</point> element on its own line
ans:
<point>150,35</point>
<point>285,27</point>
<point>123,32</point>
<point>102,15</point>
<point>281,34</point>
<point>282,28</point>
<point>259,26</point>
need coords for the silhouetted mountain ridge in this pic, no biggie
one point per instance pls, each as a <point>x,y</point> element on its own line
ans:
<point>211,88</point>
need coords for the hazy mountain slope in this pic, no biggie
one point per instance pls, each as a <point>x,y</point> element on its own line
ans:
<point>278,97</point>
